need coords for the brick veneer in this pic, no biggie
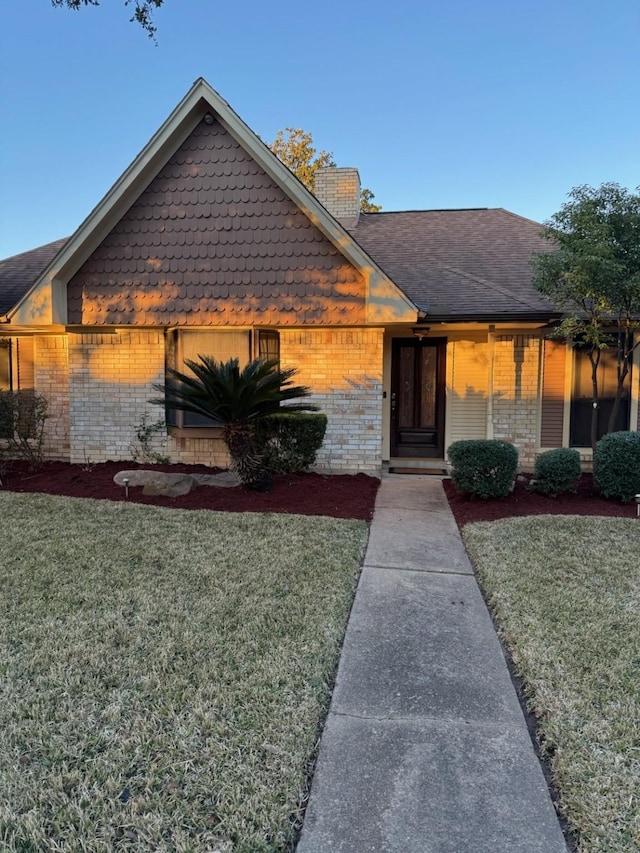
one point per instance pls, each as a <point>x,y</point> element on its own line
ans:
<point>515,393</point>
<point>111,378</point>
<point>338,189</point>
<point>344,370</point>
<point>51,375</point>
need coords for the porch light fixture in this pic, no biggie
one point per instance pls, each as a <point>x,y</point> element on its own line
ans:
<point>421,331</point>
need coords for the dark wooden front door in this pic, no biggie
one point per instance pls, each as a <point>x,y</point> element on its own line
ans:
<point>417,397</point>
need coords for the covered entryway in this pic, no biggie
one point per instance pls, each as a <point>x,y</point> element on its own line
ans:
<point>417,397</point>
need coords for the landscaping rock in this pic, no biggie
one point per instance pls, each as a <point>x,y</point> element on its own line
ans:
<point>143,476</point>
<point>224,480</point>
<point>138,477</point>
<point>169,485</point>
<point>157,482</point>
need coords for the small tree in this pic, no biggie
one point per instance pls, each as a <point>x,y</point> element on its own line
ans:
<point>366,202</point>
<point>593,274</point>
<point>295,148</point>
<point>237,398</point>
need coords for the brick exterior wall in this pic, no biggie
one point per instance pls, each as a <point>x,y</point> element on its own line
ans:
<point>344,370</point>
<point>51,379</point>
<point>98,387</point>
<point>111,382</point>
<point>515,393</point>
<point>111,378</point>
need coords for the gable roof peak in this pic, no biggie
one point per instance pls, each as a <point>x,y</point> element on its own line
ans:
<point>186,116</point>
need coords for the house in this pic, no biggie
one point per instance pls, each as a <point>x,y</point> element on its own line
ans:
<point>413,329</point>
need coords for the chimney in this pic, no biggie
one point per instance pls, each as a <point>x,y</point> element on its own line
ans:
<point>338,189</point>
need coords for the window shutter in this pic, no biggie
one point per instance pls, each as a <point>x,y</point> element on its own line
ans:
<point>553,394</point>
<point>5,365</point>
<point>172,417</point>
<point>26,370</point>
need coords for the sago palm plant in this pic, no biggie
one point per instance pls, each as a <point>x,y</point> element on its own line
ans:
<point>235,397</point>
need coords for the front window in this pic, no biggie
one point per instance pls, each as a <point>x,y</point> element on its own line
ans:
<point>582,396</point>
<point>221,344</point>
<point>269,345</point>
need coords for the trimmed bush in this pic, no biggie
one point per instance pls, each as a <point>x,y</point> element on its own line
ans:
<point>557,471</point>
<point>485,468</point>
<point>616,465</point>
<point>289,441</point>
<point>22,420</point>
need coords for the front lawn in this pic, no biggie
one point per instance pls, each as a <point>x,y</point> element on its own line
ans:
<point>163,673</point>
<point>565,592</point>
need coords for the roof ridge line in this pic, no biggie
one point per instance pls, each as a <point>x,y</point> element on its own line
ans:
<point>428,210</point>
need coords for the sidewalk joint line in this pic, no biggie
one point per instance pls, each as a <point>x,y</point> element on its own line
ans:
<point>418,718</point>
<point>366,565</point>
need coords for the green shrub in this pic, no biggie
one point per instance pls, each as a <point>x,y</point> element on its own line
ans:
<point>22,420</point>
<point>557,471</point>
<point>289,441</point>
<point>483,467</point>
<point>616,465</point>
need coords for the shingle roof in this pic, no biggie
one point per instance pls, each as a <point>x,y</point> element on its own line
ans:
<point>19,272</point>
<point>458,262</point>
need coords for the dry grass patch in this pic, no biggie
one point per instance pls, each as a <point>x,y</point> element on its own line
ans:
<point>163,672</point>
<point>565,591</point>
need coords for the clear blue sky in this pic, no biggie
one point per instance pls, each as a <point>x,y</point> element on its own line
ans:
<point>439,104</point>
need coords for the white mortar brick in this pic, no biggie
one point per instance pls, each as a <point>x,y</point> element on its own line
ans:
<point>515,393</point>
<point>51,371</point>
<point>110,379</point>
<point>343,369</point>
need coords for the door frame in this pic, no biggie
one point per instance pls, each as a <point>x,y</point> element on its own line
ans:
<point>440,344</point>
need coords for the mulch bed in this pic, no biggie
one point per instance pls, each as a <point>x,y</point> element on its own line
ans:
<point>522,501</point>
<point>338,496</point>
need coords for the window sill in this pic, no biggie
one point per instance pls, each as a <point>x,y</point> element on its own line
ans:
<point>196,432</point>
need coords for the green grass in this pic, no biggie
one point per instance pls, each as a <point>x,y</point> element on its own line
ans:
<point>565,592</point>
<point>163,673</point>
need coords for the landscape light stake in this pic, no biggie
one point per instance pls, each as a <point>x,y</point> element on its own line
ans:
<point>638,505</point>
<point>125,481</point>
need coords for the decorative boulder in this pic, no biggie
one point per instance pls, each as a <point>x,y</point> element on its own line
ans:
<point>137,477</point>
<point>169,485</point>
<point>157,482</point>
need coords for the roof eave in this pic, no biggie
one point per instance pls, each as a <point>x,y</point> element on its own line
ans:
<point>494,317</point>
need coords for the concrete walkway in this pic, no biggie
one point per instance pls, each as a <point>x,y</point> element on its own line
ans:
<point>425,749</point>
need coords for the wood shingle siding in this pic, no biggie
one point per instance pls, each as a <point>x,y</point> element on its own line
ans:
<point>553,382</point>
<point>213,240</point>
